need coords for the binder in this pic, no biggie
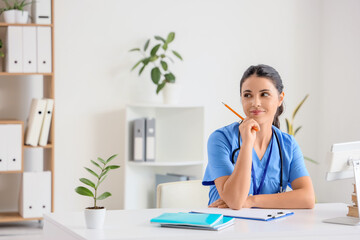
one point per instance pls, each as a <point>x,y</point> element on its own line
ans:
<point>35,194</point>
<point>36,117</point>
<point>44,50</point>
<point>14,147</point>
<point>14,59</point>
<point>193,220</point>
<point>29,49</point>
<point>150,140</point>
<point>45,129</point>
<point>41,11</point>
<point>3,148</point>
<point>139,139</point>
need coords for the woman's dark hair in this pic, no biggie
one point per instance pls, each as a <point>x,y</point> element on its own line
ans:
<point>270,73</point>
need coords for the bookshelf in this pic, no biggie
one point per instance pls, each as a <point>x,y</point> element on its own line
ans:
<point>180,147</point>
<point>26,82</point>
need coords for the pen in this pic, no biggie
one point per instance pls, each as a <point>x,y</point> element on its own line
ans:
<point>255,128</point>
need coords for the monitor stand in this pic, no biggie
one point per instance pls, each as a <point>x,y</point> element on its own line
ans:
<point>350,220</point>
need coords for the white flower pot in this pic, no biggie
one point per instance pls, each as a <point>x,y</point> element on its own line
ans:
<point>171,93</point>
<point>9,16</point>
<point>94,218</point>
<point>21,16</point>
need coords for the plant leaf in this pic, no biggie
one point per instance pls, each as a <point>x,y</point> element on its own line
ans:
<point>92,172</point>
<point>103,173</point>
<point>112,167</point>
<point>160,86</point>
<point>96,164</point>
<point>298,106</point>
<point>177,54</point>
<point>146,44</point>
<point>84,191</point>
<point>170,37</point>
<point>103,196</point>
<point>160,39</point>
<point>134,50</point>
<point>287,125</point>
<point>111,158</point>
<point>146,60</point>
<point>142,69</point>
<point>164,65</point>
<point>154,50</point>
<point>154,58</point>
<point>297,130</point>
<point>311,160</point>
<point>87,182</point>
<point>137,64</point>
<point>170,77</point>
<point>101,160</point>
<point>165,46</point>
<point>155,75</point>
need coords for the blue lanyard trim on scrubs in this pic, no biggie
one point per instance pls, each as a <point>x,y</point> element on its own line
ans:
<point>256,190</point>
<point>282,189</point>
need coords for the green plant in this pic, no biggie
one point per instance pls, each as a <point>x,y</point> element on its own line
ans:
<point>1,52</point>
<point>158,57</point>
<point>290,124</point>
<point>100,178</point>
<point>15,5</point>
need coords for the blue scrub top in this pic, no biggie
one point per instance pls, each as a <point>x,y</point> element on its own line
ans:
<point>224,141</point>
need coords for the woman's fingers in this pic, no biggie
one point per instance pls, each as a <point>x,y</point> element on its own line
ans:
<point>217,203</point>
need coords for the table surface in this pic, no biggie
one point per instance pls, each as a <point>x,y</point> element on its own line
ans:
<point>135,224</point>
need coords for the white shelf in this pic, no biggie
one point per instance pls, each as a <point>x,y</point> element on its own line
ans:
<point>166,164</point>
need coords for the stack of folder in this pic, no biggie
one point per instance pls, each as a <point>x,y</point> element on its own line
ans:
<point>201,221</point>
<point>353,209</point>
<point>38,128</point>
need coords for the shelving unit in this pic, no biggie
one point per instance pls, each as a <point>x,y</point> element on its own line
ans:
<point>180,147</point>
<point>48,83</point>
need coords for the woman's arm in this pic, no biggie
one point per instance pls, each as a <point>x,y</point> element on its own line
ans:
<point>234,189</point>
<point>302,196</point>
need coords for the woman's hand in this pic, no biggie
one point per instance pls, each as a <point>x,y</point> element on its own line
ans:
<point>219,204</point>
<point>247,132</point>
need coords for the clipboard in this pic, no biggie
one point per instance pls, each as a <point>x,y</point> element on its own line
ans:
<point>249,213</point>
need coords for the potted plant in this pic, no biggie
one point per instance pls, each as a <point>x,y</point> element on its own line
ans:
<point>158,57</point>
<point>95,215</point>
<point>14,11</point>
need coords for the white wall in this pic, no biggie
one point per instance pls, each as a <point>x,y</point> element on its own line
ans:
<point>218,40</point>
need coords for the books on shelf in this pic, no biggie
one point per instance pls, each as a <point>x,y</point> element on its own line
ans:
<point>39,121</point>
<point>144,139</point>
<point>199,221</point>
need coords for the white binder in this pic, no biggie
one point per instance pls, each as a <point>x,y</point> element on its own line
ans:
<point>45,129</point>
<point>41,11</point>
<point>150,140</point>
<point>36,117</point>
<point>29,49</point>
<point>3,148</point>
<point>139,139</point>
<point>35,194</point>
<point>44,50</point>
<point>14,144</point>
<point>14,62</point>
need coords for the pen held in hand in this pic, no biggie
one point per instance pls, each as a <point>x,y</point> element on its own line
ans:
<point>255,128</point>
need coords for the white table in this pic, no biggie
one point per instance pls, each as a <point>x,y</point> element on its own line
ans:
<point>135,224</point>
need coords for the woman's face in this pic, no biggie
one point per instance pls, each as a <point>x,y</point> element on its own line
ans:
<point>260,99</point>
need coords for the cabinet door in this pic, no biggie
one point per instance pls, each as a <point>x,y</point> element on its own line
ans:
<point>14,62</point>
<point>14,143</point>
<point>3,148</point>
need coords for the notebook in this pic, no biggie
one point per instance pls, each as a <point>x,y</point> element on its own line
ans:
<point>193,220</point>
<point>248,213</point>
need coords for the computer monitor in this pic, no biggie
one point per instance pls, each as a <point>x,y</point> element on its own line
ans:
<point>345,163</point>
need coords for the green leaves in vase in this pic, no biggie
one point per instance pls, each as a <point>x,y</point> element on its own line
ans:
<point>159,58</point>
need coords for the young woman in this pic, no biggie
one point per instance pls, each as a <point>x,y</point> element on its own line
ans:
<point>250,164</point>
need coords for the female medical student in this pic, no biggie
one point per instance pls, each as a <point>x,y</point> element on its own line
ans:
<point>250,164</point>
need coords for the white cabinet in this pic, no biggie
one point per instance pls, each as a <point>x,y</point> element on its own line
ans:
<point>180,149</point>
<point>11,145</point>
